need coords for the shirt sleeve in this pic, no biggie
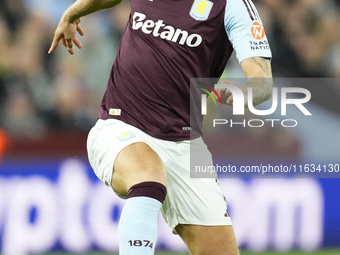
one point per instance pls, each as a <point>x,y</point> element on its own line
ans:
<point>245,30</point>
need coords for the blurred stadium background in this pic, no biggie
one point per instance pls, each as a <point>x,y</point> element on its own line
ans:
<point>51,202</point>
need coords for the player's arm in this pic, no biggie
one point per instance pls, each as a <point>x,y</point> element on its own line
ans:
<point>246,33</point>
<point>259,74</point>
<point>259,78</point>
<point>69,22</point>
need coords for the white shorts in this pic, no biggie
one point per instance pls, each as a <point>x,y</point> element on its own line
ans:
<point>198,201</point>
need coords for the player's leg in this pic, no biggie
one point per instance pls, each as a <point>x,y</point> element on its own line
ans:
<point>134,164</point>
<point>121,159</point>
<point>195,207</point>
<point>208,240</point>
<point>139,174</point>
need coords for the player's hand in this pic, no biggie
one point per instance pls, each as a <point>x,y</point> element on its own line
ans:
<point>225,94</point>
<point>66,33</point>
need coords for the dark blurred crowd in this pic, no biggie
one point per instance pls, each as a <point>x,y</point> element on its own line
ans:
<point>303,36</point>
<point>41,92</point>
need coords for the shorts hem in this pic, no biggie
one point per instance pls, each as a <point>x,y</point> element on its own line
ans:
<point>228,222</point>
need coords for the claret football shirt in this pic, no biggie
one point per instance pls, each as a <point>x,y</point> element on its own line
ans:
<point>167,42</point>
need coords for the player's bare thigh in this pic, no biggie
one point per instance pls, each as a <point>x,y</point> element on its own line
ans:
<point>134,164</point>
<point>208,240</point>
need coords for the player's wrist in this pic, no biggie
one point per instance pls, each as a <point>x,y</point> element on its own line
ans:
<point>70,16</point>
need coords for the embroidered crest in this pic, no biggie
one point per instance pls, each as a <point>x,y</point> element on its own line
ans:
<point>126,136</point>
<point>200,9</point>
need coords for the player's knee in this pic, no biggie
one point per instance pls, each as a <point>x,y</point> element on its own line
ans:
<point>137,163</point>
<point>148,171</point>
<point>154,173</point>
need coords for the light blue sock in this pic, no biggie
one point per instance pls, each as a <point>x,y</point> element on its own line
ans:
<point>138,225</point>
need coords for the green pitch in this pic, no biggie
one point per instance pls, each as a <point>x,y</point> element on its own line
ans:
<point>321,252</point>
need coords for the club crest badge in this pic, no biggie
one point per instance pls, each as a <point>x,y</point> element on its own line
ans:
<point>126,136</point>
<point>200,9</point>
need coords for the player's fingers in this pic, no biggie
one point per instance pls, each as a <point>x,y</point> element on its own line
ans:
<point>77,42</point>
<point>233,83</point>
<point>54,44</point>
<point>69,44</point>
<point>230,100</point>
<point>71,51</point>
<point>225,81</point>
<point>228,93</point>
<point>63,41</point>
<point>78,27</point>
<point>80,30</point>
<point>78,21</point>
<point>218,92</point>
<point>228,97</point>
<point>224,95</point>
